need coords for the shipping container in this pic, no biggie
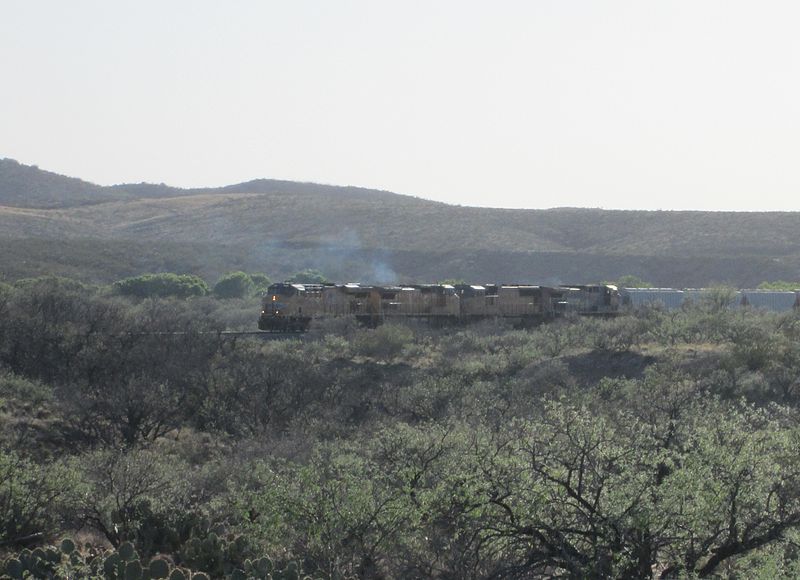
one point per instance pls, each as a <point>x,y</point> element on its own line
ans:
<point>668,298</point>
<point>772,300</point>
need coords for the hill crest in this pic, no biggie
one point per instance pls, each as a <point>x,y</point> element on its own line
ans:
<point>29,186</point>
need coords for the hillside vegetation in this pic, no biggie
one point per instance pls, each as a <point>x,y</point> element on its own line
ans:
<point>654,445</point>
<point>349,232</point>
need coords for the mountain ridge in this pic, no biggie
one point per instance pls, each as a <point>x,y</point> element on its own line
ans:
<point>51,190</point>
<point>278,225</point>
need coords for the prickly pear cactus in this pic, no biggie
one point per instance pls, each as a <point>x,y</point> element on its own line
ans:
<point>13,568</point>
<point>67,546</point>
<point>259,568</point>
<point>112,564</point>
<point>126,551</point>
<point>133,570</point>
<point>158,569</point>
<point>217,554</point>
<point>67,561</point>
<point>37,563</point>
<point>291,572</point>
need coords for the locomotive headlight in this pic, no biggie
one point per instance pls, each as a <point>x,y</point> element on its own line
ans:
<point>274,298</point>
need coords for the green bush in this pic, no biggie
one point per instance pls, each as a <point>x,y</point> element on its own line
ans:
<point>630,281</point>
<point>261,282</point>
<point>779,285</point>
<point>162,285</point>
<point>309,276</point>
<point>234,285</point>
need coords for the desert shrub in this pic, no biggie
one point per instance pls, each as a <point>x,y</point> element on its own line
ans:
<point>260,388</point>
<point>336,347</point>
<point>34,499</point>
<point>754,345</point>
<point>48,322</point>
<point>350,509</point>
<point>427,398</point>
<point>233,313</point>
<point>718,298</point>
<point>125,411</point>
<point>342,326</point>
<point>616,334</point>
<point>553,339</point>
<point>385,342</point>
<point>53,284</point>
<point>139,496</point>
<point>20,392</point>
<point>550,376</point>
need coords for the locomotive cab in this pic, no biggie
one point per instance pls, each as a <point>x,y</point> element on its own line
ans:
<point>588,299</point>
<point>289,307</point>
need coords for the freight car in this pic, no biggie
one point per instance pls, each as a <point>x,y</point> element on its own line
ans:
<point>289,307</point>
<point>672,298</point>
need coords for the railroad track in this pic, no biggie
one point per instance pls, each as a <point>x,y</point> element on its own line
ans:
<point>260,334</point>
<point>265,335</point>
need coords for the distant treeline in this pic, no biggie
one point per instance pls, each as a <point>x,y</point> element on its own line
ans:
<point>241,285</point>
<point>170,285</point>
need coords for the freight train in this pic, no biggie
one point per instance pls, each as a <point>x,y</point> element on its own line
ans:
<point>291,307</point>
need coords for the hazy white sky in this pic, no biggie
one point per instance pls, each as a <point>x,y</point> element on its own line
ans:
<point>638,104</point>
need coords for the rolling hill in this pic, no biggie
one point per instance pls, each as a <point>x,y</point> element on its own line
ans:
<point>55,224</point>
